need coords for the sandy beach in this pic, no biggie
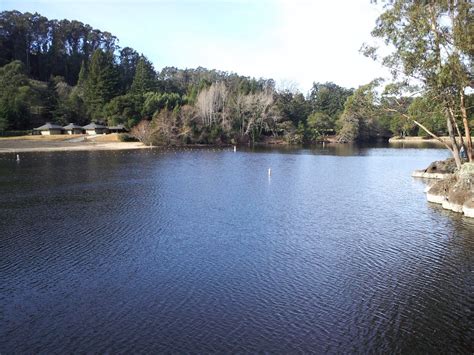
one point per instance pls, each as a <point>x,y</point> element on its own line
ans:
<point>65,143</point>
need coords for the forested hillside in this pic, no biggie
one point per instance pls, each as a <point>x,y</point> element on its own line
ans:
<point>65,71</point>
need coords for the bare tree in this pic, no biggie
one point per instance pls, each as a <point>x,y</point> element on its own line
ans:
<point>259,115</point>
<point>143,131</point>
<point>211,104</point>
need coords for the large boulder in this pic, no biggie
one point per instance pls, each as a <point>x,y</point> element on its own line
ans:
<point>439,169</point>
<point>447,166</point>
<point>455,192</point>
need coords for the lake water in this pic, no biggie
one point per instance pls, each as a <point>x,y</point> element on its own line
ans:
<point>201,251</point>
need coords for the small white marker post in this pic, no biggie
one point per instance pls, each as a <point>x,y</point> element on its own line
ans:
<point>269,172</point>
<point>235,148</point>
<point>18,157</point>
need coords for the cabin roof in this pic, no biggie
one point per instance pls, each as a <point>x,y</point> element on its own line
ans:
<point>94,125</point>
<point>48,126</point>
<point>119,126</point>
<point>72,126</point>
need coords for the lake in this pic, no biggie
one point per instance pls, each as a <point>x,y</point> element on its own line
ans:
<point>200,251</point>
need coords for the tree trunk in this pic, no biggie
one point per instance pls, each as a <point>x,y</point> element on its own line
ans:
<point>458,131</point>
<point>454,143</point>
<point>467,130</point>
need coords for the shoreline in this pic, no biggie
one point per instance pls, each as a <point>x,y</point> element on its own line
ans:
<point>24,144</point>
<point>77,148</point>
<point>110,142</point>
<point>419,140</point>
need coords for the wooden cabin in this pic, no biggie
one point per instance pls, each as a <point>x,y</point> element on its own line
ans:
<point>94,128</point>
<point>120,128</point>
<point>49,129</point>
<point>72,128</point>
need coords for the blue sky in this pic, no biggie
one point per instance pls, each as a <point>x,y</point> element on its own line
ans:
<point>294,42</point>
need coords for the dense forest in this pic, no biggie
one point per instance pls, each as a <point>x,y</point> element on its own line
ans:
<point>65,71</point>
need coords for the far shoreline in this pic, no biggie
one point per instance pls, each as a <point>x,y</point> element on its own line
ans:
<point>420,140</point>
<point>111,142</point>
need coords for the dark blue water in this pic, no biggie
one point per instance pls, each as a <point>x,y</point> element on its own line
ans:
<point>201,251</point>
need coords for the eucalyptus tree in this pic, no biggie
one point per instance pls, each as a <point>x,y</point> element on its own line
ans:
<point>432,46</point>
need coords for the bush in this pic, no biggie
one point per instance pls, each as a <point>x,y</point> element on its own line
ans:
<point>15,133</point>
<point>125,137</point>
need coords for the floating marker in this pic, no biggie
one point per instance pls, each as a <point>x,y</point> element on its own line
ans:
<point>18,157</point>
<point>269,172</point>
<point>235,148</point>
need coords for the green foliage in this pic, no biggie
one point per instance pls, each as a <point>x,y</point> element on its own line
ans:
<point>329,98</point>
<point>144,79</point>
<point>431,44</point>
<point>125,137</point>
<point>125,109</point>
<point>128,60</point>
<point>15,92</point>
<point>293,106</point>
<point>102,83</point>
<point>155,102</point>
<point>359,121</point>
<point>430,114</point>
<point>319,124</point>
<point>69,72</point>
<point>49,47</point>
<point>15,133</point>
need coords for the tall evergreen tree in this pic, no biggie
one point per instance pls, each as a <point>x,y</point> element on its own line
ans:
<point>128,60</point>
<point>145,77</point>
<point>102,83</point>
<point>82,79</point>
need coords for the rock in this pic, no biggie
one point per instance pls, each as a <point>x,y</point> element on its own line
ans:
<point>456,192</point>
<point>437,170</point>
<point>424,175</point>
<point>468,208</point>
<point>438,193</point>
<point>447,166</point>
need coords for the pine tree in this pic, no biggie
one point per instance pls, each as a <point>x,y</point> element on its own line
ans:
<point>81,81</point>
<point>101,84</point>
<point>144,80</point>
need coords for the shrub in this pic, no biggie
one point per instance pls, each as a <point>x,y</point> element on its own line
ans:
<point>125,137</point>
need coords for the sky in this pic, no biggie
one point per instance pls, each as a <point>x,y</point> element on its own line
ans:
<point>295,42</point>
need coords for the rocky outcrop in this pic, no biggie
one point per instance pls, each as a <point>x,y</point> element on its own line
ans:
<point>439,169</point>
<point>455,192</point>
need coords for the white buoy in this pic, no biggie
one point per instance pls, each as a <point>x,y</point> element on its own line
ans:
<point>269,172</point>
<point>235,148</point>
<point>18,157</point>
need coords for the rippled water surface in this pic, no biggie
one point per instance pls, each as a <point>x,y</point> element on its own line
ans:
<point>201,251</point>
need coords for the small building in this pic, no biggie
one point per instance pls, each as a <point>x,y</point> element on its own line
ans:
<point>94,128</point>
<point>49,129</point>
<point>72,128</point>
<point>120,128</point>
